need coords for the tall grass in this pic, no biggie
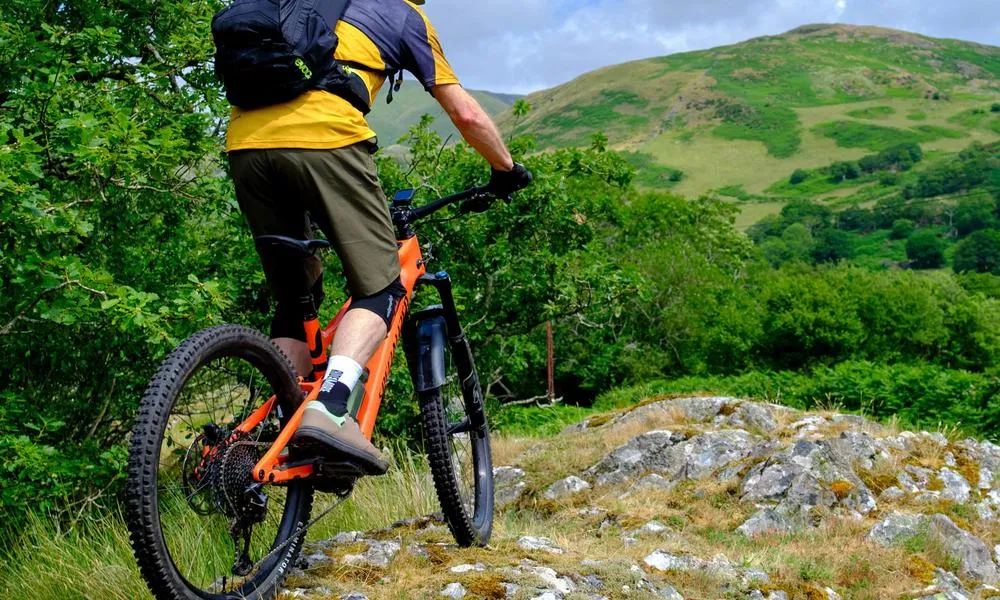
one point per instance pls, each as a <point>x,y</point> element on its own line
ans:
<point>94,559</point>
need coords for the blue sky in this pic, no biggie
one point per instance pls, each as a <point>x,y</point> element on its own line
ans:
<point>526,45</point>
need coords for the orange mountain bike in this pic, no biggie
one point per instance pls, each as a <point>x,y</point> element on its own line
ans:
<point>219,499</point>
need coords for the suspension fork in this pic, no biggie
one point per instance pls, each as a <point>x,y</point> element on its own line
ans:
<point>424,337</point>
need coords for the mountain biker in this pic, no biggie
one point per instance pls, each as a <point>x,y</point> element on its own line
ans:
<point>313,155</point>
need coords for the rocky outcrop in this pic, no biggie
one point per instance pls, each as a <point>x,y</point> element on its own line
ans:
<point>676,488</point>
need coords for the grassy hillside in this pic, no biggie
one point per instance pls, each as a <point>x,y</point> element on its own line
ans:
<point>392,121</point>
<point>750,114</point>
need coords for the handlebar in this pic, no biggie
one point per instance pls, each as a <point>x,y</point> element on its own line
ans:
<point>476,194</point>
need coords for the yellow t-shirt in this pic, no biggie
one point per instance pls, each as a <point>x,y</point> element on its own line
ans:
<point>376,37</point>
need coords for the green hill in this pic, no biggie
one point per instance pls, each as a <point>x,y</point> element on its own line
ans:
<point>744,117</point>
<point>392,121</point>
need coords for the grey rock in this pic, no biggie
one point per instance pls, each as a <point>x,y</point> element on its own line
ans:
<point>507,476</point>
<point>509,485</point>
<point>354,596</point>
<point>719,567</point>
<point>453,590</point>
<point>312,560</point>
<point>631,458</point>
<point>921,477</point>
<point>655,481</point>
<point>701,409</point>
<point>859,447</point>
<point>474,568</point>
<point>674,458</point>
<point>806,475</point>
<point>949,459</point>
<point>347,537</point>
<point>945,587</point>
<point>892,494</point>
<point>764,521</point>
<point>652,528</point>
<point>807,425</point>
<point>906,483</point>
<point>509,495</point>
<point>898,527</point>
<point>956,488</point>
<point>548,595</point>
<point>758,595</point>
<point>418,551</point>
<point>566,487</point>
<point>551,579</point>
<point>971,552</point>
<point>510,589</point>
<point>379,554</point>
<point>751,415</point>
<point>540,544</point>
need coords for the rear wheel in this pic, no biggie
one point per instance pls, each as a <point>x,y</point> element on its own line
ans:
<point>200,527</point>
<point>458,447</point>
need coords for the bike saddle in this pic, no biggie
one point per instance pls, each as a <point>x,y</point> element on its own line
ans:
<point>286,244</point>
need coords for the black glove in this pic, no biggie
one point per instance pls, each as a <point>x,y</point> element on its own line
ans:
<point>505,183</point>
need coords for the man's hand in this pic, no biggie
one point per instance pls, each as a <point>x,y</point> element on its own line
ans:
<point>505,183</point>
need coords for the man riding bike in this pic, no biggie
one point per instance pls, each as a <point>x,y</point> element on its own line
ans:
<point>311,157</point>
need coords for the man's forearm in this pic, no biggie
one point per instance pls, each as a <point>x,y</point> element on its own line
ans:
<point>475,125</point>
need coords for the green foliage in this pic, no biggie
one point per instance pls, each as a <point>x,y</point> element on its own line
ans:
<point>975,212</point>
<point>979,253</point>
<point>651,174</point>
<point>925,250</point>
<point>995,107</point>
<point>974,166</point>
<point>852,134</point>
<point>119,238</point>
<point>777,128</point>
<point>902,229</point>
<point>832,245</point>
<point>843,171</point>
<point>798,176</point>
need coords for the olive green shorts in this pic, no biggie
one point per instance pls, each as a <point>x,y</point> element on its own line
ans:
<point>280,190</point>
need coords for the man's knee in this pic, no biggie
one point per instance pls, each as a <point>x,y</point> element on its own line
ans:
<point>383,303</point>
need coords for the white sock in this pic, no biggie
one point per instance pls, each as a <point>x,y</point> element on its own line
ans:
<point>344,370</point>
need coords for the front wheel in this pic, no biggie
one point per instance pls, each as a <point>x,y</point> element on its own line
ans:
<point>458,447</point>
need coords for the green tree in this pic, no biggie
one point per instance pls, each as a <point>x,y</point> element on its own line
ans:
<point>798,241</point>
<point>979,253</point>
<point>902,229</point>
<point>974,213</point>
<point>925,249</point>
<point>832,245</point>
<point>798,176</point>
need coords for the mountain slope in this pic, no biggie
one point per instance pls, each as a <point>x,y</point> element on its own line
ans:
<point>392,121</point>
<point>749,114</point>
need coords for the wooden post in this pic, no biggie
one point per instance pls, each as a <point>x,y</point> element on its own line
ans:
<point>551,363</point>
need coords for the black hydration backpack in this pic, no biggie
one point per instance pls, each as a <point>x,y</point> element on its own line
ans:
<point>272,51</point>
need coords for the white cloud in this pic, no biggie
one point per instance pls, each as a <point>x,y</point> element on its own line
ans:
<point>525,45</point>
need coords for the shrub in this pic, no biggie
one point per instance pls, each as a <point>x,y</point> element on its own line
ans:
<point>901,229</point>
<point>798,240</point>
<point>855,218</point>
<point>996,107</point>
<point>832,245</point>
<point>798,176</point>
<point>924,249</point>
<point>842,171</point>
<point>979,253</point>
<point>974,213</point>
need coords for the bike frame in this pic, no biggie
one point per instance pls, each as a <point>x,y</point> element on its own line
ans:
<point>272,467</point>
